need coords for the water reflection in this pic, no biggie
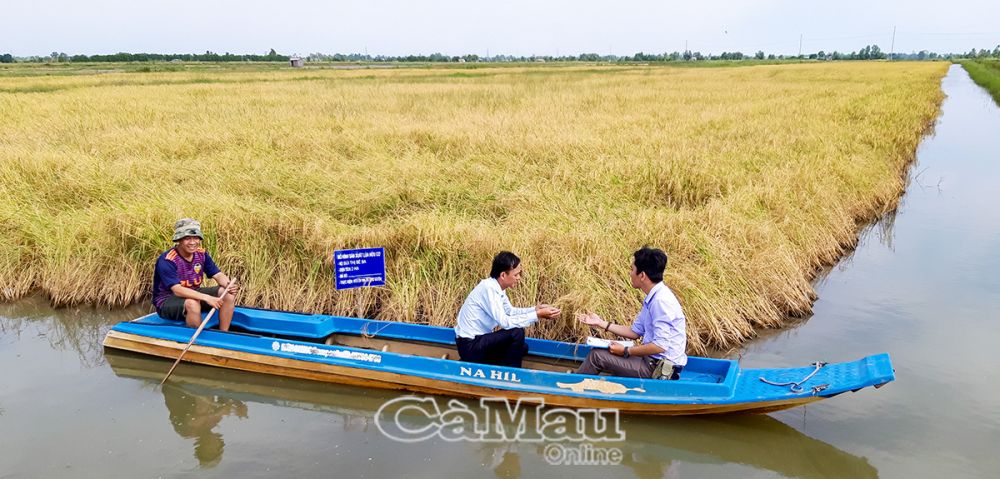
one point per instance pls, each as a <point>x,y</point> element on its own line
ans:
<point>504,460</point>
<point>194,416</point>
<point>760,442</point>
<point>882,230</point>
<point>198,397</point>
<point>77,329</point>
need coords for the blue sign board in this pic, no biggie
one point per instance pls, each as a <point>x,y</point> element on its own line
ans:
<point>354,268</point>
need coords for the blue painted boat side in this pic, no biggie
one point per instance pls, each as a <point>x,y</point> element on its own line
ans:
<point>525,380</point>
<point>704,381</point>
<point>318,326</point>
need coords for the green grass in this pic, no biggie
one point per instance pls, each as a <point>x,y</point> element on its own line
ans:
<point>986,73</point>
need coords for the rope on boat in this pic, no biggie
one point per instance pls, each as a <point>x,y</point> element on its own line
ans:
<point>796,387</point>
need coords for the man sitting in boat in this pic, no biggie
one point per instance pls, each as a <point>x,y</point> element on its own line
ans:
<point>177,291</point>
<point>660,323</point>
<point>486,308</point>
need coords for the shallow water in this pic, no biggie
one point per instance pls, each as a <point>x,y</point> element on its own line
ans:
<point>71,409</point>
<point>921,286</point>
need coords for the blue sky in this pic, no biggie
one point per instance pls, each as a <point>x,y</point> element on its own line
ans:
<point>389,27</point>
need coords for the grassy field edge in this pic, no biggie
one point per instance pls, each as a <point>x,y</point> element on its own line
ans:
<point>986,73</point>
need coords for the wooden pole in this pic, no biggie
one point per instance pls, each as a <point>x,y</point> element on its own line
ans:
<point>194,336</point>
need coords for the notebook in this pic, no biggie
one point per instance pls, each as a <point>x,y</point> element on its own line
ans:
<point>606,343</point>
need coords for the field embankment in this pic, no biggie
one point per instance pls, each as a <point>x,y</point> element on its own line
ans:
<point>752,179</point>
<point>986,73</point>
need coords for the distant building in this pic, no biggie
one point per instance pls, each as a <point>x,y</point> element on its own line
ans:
<point>296,62</point>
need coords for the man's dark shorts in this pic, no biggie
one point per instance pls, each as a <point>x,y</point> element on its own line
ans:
<point>173,307</point>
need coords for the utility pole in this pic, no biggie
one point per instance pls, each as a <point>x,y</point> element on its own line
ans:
<point>892,48</point>
<point>800,45</point>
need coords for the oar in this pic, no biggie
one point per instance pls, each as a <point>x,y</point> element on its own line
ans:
<point>193,337</point>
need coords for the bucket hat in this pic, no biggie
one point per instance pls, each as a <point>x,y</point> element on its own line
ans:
<point>187,227</point>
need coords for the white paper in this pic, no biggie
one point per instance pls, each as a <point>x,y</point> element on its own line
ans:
<point>605,343</point>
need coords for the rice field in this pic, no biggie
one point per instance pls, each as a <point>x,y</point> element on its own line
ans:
<point>752,179</point>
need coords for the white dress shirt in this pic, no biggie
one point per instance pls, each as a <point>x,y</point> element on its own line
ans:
<point>488,307</point>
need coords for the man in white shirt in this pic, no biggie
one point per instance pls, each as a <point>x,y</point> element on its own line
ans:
<point>660,323</point>
<point>486,308</point>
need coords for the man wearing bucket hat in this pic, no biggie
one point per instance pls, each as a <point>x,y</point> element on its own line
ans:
<point>177,291</point>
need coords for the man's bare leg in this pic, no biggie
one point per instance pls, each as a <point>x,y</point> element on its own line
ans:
<point>192,313</point>
<point>226,311</point>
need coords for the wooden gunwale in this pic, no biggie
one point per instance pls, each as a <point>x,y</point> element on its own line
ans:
<point>310,370</point>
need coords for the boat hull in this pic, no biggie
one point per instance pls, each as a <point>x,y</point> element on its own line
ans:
<point>422,358</point>
<point>342,374</point>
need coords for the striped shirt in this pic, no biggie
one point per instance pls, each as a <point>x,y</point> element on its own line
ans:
<point>172,268</point>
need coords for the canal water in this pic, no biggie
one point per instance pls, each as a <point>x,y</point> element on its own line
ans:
<point>923,285</point>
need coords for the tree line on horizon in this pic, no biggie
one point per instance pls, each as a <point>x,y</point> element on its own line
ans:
<point>869,52</point>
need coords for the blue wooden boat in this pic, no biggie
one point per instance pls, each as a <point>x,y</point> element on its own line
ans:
<point>423,359</point>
